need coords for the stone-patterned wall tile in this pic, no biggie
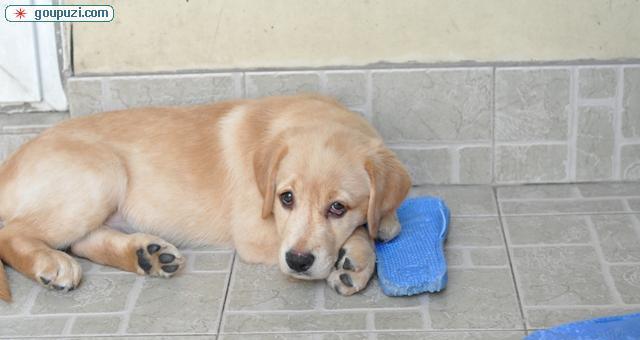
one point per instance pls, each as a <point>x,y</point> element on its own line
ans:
<point>530,163</point>
<point>85,96</point>
<point>126,92</point>
<point>597,82</point>
<point>631,103</point>
<point>595,144</point>
<point>10,143</point>
<point>426,166</point>
<point>271,84</point>
<point>475,165</point>
<point>630,161</point>
<point>532,104</point>
<point>419,105</point>
<point>32,122</point>
<point>348,87</point>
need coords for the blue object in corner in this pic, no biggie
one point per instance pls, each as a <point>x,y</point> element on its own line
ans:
<point>414,262</point>
<point>623,327</point>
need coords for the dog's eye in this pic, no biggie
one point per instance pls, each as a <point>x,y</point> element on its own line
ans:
<point>337,209</point>
<point>286,198</point>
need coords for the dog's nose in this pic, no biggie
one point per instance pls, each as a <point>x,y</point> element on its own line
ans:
<point>300,262</point>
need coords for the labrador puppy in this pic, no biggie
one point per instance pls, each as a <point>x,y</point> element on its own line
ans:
<point>286,180</point>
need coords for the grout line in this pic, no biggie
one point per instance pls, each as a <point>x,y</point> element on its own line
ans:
<point>368,106</point>
<point>52,315</point>
<point>532,143</point>
<point>314,311</point>
<point>425,301</point>
<point>597,102</point>
<point>382,331</point>
<point>454,154</point>
<point>617,125</point>
<point>582,307</point>
<point>319,296</point>
<point>510,261</point>
<point>223,306</point>
<point>472,247</point>
<point>551,245</point>
<point>322,80</point>
<point>604,267</point>
<point>237,84</point>
<point>567,199</point>
<point>132,298</point>
<point>370,321</point>
<point>579,213</point>
<point>436,144</point>
<point>572,134</point>
<point>493,126</point>
<point>31,300</point>
<point>69,325</point>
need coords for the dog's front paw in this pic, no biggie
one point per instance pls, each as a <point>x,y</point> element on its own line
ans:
<point>353,270</point>
<point>156,257</point>
<point>389,228</point>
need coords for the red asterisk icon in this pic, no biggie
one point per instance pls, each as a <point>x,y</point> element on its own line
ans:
<point>20,13</point>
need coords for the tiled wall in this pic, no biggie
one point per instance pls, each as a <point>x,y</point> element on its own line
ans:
<point>464,125</point>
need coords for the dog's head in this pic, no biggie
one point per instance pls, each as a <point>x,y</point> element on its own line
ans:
<point>319,187</point>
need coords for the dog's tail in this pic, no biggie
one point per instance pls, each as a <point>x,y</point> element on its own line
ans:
<point>5,292</point>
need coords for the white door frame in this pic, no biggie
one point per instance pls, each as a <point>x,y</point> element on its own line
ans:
<point>34,62</point>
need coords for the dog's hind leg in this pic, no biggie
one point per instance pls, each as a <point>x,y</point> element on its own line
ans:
<point>53,192</point>
<point>138,253</point>
<point>29,254</point>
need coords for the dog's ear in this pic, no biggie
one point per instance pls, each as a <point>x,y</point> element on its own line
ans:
<point>266,160</point>
<point>390,184</point>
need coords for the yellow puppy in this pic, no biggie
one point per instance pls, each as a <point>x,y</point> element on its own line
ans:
<point>285,180</point>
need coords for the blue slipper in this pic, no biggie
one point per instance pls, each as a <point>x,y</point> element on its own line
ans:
<point>607,328</point>
<point>414,262</point>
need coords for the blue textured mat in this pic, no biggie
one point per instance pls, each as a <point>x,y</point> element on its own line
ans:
<point>621,327</point>
<point>414,262</point>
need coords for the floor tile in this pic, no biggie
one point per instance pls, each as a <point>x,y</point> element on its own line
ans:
<point>100,324</point>
<point>634,204</point>
<point>551,207</point>
<point>402,320</point>
<point>269,336</point>
<point>294,321</point>
<point>187,303</point>
<point>32,326</point>
<point>610,189</point>
<point>97,293</point>
<point>259,287</point>
<point>211,261</point>
<point>538,191</point>
<point>370,298</point>
<point>627,281</point>
<point>21,288</point>
<point>476,298</point>
<point>488,256</point>
<point>618,237</point>
<point>462,200</point>
<point>532,230</point>
<point>302,336</point>
<point>479,335</point>
<point>477,231</point>
<point>548,317</point>
<point>560,276</point>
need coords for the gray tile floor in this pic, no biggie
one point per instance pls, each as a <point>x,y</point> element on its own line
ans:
<point>521,258</point>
